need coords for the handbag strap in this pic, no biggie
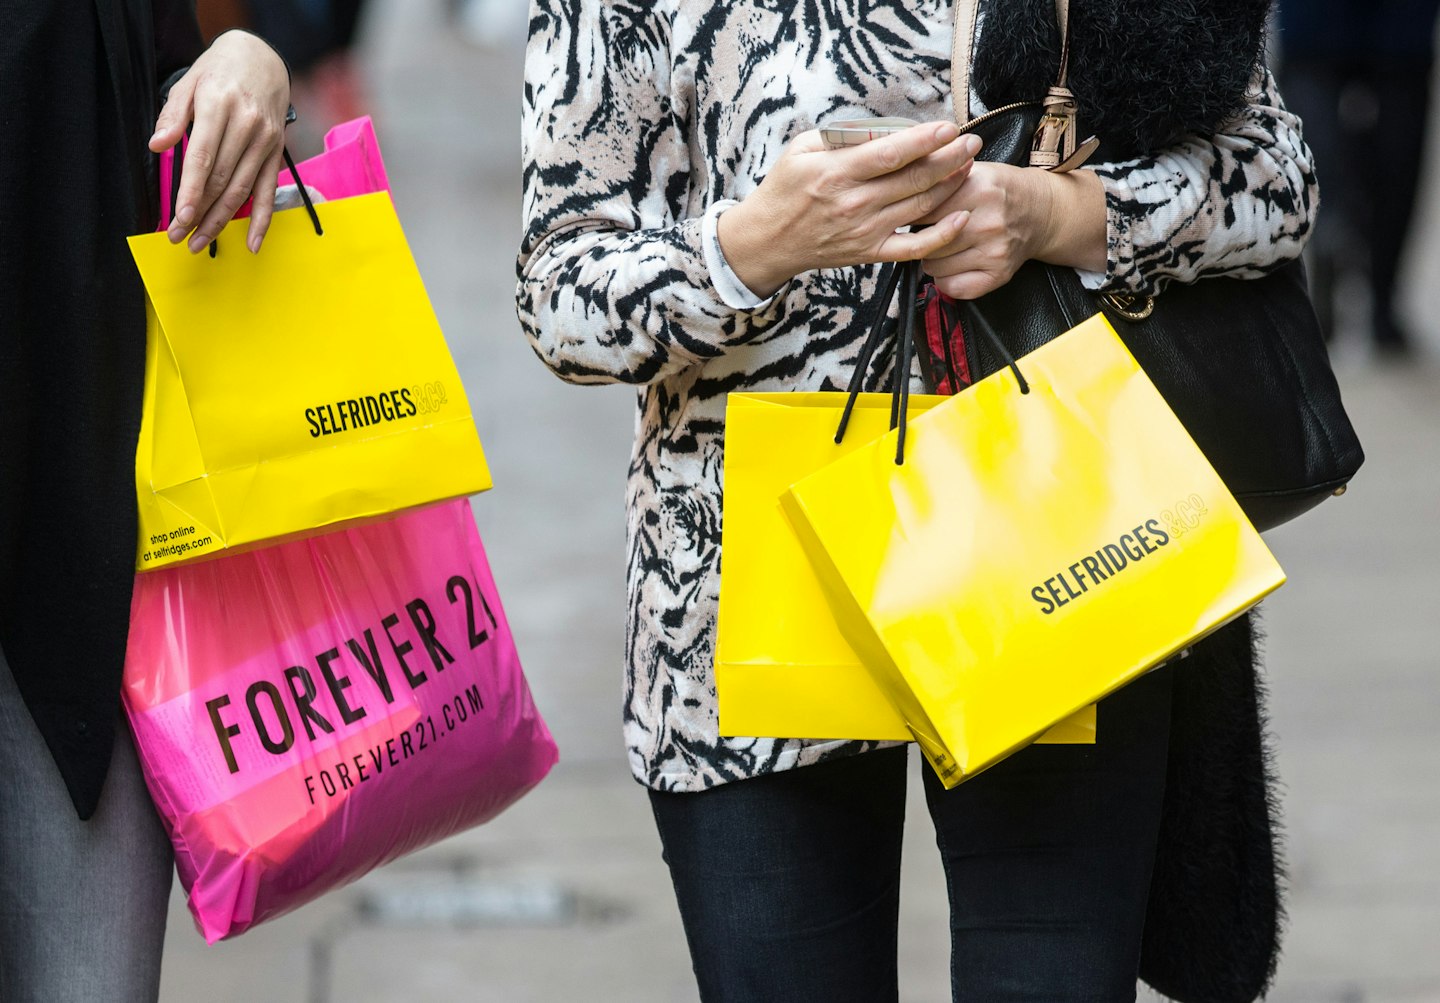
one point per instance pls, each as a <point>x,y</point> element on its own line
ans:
<point>962,49</point>
<point>1055,147</point>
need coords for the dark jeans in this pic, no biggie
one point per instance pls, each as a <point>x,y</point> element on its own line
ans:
<point>789,884</point>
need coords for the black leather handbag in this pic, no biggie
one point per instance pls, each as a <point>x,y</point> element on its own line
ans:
<point>1242,362</point>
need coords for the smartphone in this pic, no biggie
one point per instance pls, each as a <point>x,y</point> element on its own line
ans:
<point>854,131</point>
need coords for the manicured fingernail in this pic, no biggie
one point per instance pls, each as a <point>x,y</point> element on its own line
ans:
<point>971,145</point>
<point>254,244</point>
<point>946,131</point>
<point>185,215</point>
<point>197,243</point>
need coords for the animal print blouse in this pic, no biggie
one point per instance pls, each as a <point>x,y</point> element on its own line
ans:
<point>641,119</point>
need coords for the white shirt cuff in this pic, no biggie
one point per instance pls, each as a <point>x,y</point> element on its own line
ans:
<point>732,292</point>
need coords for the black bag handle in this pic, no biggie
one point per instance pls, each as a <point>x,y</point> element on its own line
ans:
<point>304,192</point>
<point>904,353</point>
<point>979,322</point>
<point>888,278</point>
<point>905,278</point>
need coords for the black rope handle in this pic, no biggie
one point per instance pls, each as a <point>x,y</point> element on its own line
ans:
<point>889,278</point>
<point>304,193</point>
<point>904,277</point>
<point>900,401</point>
<point>979,323</point>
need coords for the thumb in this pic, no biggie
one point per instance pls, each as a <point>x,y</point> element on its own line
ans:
<point>807,142</point>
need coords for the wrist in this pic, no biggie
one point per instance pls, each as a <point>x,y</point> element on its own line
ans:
<point>753,253</point>
<point>1073,227</point>
<point>261,40</point>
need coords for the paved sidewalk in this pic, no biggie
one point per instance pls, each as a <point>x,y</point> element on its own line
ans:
<point>569,899</point>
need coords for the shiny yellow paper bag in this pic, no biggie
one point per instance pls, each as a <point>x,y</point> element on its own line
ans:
<point>1034,552</point>
<point>296,389</point>
<point>782,666</point>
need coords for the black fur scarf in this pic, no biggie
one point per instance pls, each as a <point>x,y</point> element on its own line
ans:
<point>1144,72</point>
<point>1212,931</point>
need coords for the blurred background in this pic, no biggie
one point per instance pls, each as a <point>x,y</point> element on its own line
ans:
<point>565,897</point>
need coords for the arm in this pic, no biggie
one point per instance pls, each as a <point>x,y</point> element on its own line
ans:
<point>613,280</point>
<point>1240,202</point>
<point>177,36</point>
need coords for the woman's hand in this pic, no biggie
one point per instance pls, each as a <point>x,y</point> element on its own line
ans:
<point>237,94</point>
<point>820,208</point>
<point>1014,215</point>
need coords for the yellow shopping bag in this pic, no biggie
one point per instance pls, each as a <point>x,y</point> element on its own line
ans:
<point>1037,549</point>
<point>782,666</point>
<point>296,389</point>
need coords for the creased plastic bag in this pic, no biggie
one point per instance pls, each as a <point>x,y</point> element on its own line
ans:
<point>307,712</point>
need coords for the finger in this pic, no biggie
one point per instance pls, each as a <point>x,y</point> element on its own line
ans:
<point>224,173</point>
<point>968,273</point>
<point>954,259</point>
<point>970,285</point>
<point>175,116</point>
<point>950,166</point>
<point>230,200</point>
<point>200,155</point>
<point>888,154</point>
<point>263,207</point>
<point>920,244</point>
<point>808,142</point>
<point>927,206</point>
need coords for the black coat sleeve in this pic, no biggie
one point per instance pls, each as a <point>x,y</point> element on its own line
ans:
<point>177,37</point>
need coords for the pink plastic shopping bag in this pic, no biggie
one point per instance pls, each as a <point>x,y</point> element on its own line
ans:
<point>350,165</point>
<point>307,712</point>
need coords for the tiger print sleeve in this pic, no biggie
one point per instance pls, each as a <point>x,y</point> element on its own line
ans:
<point>613,280</point>
<point>1240,202</point>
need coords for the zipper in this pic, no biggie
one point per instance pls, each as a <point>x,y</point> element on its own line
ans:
<point>992,113</point>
